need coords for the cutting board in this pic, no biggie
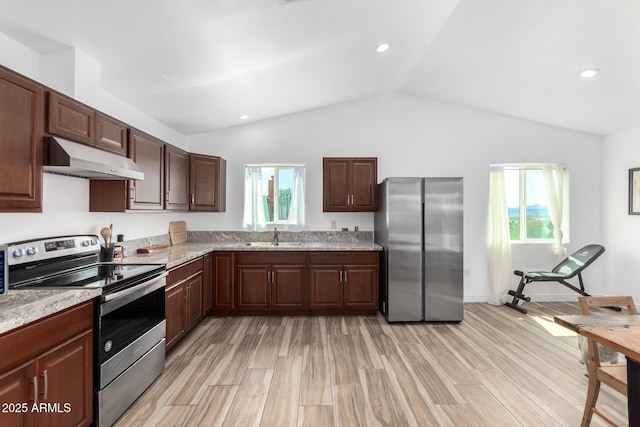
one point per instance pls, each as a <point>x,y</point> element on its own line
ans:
<point>178,232</point>
<point>153,249</point>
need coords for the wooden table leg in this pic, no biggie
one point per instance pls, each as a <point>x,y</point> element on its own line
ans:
<point>633,391</point>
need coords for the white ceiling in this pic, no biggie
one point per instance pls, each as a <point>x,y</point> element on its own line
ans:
<point>197,65</point>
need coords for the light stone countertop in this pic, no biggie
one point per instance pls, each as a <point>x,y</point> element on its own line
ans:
<point>28,305</point>
<point>184,252</point>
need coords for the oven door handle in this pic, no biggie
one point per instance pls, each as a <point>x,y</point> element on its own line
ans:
<point>116,300</point>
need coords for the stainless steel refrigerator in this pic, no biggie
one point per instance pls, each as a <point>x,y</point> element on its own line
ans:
<point>419,224</point>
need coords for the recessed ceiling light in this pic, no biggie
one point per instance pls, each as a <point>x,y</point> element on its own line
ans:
<point>244,117</point>
<point>383,47</point>
<point>588,73</point>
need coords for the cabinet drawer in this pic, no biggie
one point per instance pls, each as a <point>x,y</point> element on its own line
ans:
<point>271,257</point>
<point>185,270</point>
<point>343,258</point>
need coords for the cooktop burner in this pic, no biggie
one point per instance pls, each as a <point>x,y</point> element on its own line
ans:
<point>108,276</point>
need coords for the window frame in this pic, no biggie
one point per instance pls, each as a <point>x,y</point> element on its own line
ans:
<point>282,223</point>
<point>522,203</point>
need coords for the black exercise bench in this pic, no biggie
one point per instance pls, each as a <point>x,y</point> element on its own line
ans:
<point>573,265</point>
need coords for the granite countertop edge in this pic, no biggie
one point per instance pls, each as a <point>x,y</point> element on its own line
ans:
<point>24,306</point>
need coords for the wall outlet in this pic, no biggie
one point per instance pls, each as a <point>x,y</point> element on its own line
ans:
<point>334,224</point>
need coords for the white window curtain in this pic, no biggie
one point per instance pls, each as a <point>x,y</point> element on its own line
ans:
<point>297,218</point>
<point>554,177</point>
<point>499,240</point>
<point>254,218</point>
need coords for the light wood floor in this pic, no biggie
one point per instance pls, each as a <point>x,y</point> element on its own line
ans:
<point>497,367</point>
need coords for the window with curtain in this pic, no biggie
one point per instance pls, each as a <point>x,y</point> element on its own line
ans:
<point>537,201</point>
<point>274,196</point>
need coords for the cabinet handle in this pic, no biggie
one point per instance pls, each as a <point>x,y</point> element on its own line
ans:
<point>352,200</point>
<point>345,276</point>
<point>167,196</point>
<point>46,384</point>
<point>340,276</point>
<point>132,192</point>
<point>193,199</point>
<point>35,390</point>
<point>273,277</point>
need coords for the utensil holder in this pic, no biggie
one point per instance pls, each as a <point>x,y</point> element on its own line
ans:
<point>106,253</point>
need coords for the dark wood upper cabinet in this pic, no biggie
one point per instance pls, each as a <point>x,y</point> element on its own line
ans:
<point>207,182</point>
<point>21,147</point>
<point>176,178</point>
<point>70,119</point>
<point>147,152</point>
<point>110,134</point>
<point>349,184</point>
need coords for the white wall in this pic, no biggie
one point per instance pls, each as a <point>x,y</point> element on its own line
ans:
<point>622,231</point>
<point>415,137</point>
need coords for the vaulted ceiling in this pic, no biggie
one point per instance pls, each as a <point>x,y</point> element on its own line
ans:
<point>197,65</point>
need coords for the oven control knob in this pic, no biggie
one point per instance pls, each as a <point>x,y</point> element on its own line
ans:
<point>32,251</point>
<point>107,346</point>
<point>85,243</point>
<point>18,253</point>
<point>94,241</point>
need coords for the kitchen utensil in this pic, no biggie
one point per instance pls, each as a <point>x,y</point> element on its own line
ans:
<point>105,232</point>
<point>178,232</point>
<point>110,233</point>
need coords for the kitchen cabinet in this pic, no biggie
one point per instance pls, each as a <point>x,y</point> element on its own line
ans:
<point>22,106</point>
<point>110,134</point>
<point>343,280</point>
<point>176,178</point>
<point>223,281</point>
<point>183,300</point>
<point>51,363</point>
<point>77,122</point>
<point>349,184</point>
<point>271,280</point>
<point>70,119</point>
<point>207,183</point>
<point>147,152</point>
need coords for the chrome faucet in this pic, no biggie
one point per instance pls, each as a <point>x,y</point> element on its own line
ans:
<point>276,239</point>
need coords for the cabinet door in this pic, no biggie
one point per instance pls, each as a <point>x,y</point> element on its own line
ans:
<point>325,286</point>
<point>17,387</point>
<point>110,134</point>
<point>253,290</point>
<point>287,287</point>
<point>207,182</point>
<point>176,184</point>
<point>21,144</point>
<point>223,275</point>
<point>363,179</point>
<point>70,119</point>
<point>176,313</point>
<point>360,286</point>
<point>147,152</point>
<point>66,377</point>
<point>336,191</point>
<point>194,300</point>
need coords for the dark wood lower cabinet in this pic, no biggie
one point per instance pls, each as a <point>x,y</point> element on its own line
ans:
<point>50,364</point>
<point>184,306</point>
<point>295,283</point>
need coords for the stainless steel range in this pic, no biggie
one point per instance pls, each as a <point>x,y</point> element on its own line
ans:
<point>129,338</point>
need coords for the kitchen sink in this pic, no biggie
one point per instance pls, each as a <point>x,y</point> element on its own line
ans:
<point>281,244</point>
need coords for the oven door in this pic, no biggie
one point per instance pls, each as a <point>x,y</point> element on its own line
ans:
<point>130,322</point>
<point>130,341</point>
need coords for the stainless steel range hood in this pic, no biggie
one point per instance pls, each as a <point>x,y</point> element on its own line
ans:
<point>70,158</point>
